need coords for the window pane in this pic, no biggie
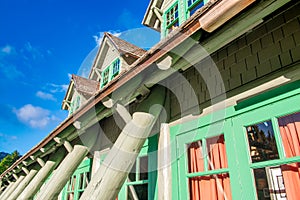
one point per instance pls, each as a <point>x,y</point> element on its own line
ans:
<point>132,174</point>
<point>196,7</point>
<point>216,187</point>
<point>290,133</point>
<point>262,142</point>
<point>278,182</point>
<point>144,168</point>
<point>139,191</point>
<point>216,153</point>
<point>195,157</point>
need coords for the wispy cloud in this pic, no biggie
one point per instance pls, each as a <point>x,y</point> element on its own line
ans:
<point>55,88</point>
<point>8,49</point>
<point>34,116</point>
<point>45,96</point>
<point>98,38</point>
<point>10,137</point>
<point>31,52</point>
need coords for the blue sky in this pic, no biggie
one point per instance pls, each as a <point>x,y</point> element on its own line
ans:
<point>41,44</point>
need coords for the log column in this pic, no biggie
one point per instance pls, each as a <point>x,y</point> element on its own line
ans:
<point>11,188</point>
<point>111,175</point>
<point>22,185</point>
<point>63,173</point>
<point>41,176</point>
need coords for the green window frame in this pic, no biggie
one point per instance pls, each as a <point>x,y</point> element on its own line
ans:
<point>171,18</point>
<point>78,181</point>
<point>192,6</point>
<point>105,76</point>
<point>149,149</point>
<point>110,72</point>
<point>271,106</point>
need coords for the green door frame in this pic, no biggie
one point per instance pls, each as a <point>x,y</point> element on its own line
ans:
<point>267,106</point>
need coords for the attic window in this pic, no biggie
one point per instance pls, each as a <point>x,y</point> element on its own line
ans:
<point>116,67</point>
<point>105,76</point>
<point>193,6</point>
<point>110,72</point>
<point>172,18</point>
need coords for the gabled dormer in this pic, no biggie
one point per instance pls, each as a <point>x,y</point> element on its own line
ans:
<point>114,56</point>
<point>79,91</point>
<point>166,15</point>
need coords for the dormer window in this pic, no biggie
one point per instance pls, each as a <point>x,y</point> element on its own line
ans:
<point>105,76</point>
<point>110,72</point>
<point>193,6</point>
<point>172,18</point>
<point>116,67</point>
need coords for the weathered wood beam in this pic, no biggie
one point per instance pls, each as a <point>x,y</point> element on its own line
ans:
<point>10,190</point>
<point>25,170</point>
<point>123,112</point>
<point>64,142</point>
<point>62,174</point>
<point>22,185</point>
<point>36,183</point>
<point>110,177</point>
<point>165,64</point>
<point>158,13</point>
<point>164,175</point>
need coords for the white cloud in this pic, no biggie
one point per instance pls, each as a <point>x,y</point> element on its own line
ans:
<point>34,116</point>
<point>55,88</point>
<point>7,49</point>
<point>45,96</point>
<point>98,38</point>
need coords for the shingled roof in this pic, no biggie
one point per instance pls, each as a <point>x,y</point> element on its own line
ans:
<point>125,47</point>
<point>86,87</point>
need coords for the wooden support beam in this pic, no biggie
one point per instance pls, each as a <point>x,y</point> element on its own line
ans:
<point>77,125</point>
<point>40,161</point>
<point>62,174</point>
<point>158,13</point>
<point>22,185</point>
<point>164,175</point>
<point>10,190</point>
<point>64,142</point>
<point>108,102</point>
<point>15,176</point>
<point>165,64</point>
<point>37,182</point>
<point>25,170</point>
<point>7,189</point>
<point>112,173</point>
<point>123,112</point>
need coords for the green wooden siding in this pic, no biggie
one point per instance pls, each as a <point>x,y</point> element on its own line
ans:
<point>268,106</point>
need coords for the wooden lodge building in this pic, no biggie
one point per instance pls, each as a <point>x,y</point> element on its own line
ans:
<point>211,112</point>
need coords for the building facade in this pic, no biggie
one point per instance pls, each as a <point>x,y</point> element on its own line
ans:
<point>210,112</point>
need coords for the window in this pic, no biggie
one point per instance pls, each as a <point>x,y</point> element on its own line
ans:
<point>105,77</point>
<point>78,181</point>
<point>262,160</point>
<point>193,6</point>
<point>172,18</point>
<point>137,183</point>
<point>110,72</point>
<point>74,105</point>
<point>262,142</point>
<point>116,67</point>
<point>208,175</point>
